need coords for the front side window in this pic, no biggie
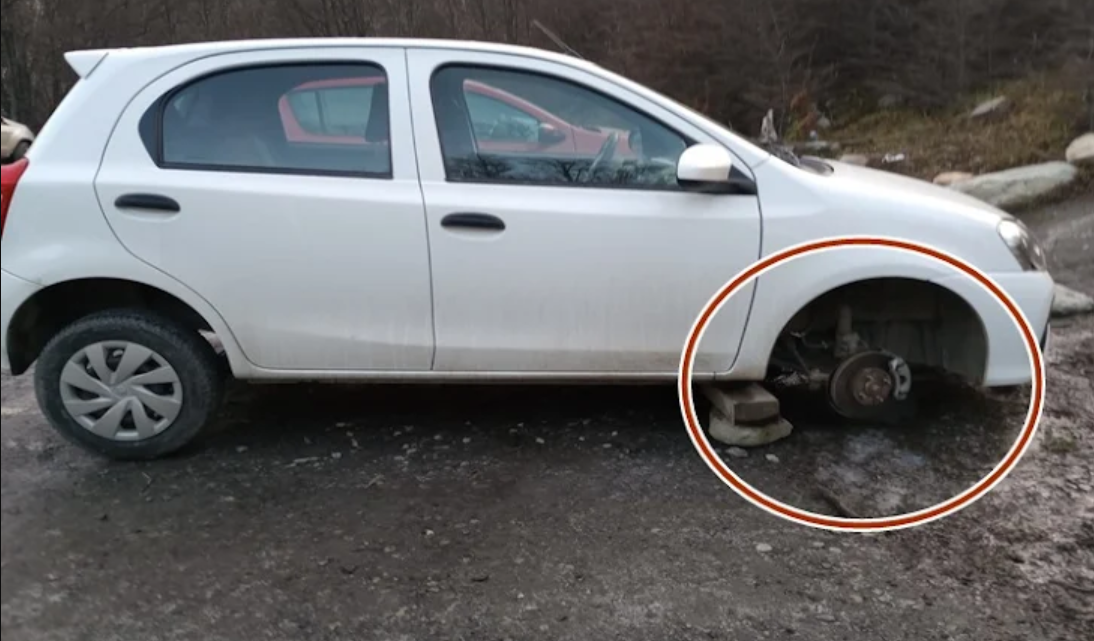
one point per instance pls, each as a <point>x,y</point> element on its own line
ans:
<point>281,119</point>
<point>593,140</point>
<point>494,120</point>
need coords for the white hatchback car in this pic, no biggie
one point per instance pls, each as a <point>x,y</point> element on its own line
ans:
<point>439,211</point>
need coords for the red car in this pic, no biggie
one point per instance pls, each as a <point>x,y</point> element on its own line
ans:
<point>502,121</point>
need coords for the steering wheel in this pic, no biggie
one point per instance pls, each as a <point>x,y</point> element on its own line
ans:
<point>607,151</point>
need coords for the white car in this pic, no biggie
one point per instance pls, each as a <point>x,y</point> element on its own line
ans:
<point>436,211</point>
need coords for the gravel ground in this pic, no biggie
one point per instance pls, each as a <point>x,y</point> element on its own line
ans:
<point>334,514</point>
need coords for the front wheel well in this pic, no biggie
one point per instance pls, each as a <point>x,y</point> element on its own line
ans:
<point>927,325</point>
<point>52,309</point>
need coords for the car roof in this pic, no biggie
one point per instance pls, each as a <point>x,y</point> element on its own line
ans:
<point>200,49</point>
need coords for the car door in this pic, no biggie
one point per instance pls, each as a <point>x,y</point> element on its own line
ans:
<point>314,251</point>
<point>543,266</point>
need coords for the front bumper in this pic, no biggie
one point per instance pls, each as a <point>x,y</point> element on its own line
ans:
<point>14,291</point>
<point>1008,358</point>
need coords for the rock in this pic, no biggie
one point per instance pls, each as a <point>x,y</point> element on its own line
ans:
<point>764,548</point>
<point>991,109</point>
<point>771,458</point>
<point>824,123</point>
<point>726,431</point>
<point>860,160</point>
<point>737,452</point>
<point>1081,152</point>
<point>1069,302</point>
<point>1019,186</point>
<point>748,404</point>
<point>951,178</point>
<point>890,101</point>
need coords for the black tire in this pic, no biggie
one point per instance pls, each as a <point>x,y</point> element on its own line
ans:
<point>20,151</point>
<point>188,353</point>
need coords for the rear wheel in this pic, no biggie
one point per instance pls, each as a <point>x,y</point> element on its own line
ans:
<point>20,151</point>
<point>129,385</point>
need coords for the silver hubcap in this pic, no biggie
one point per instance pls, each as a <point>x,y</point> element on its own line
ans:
<point>121,391</point>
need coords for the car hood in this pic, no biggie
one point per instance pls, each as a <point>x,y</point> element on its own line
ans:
<point>907,191</point>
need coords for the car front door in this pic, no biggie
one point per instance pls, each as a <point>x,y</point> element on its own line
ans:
<point>559,262</point>
<point>314,251</point>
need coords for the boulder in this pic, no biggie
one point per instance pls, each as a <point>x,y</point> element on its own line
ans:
<point>890,101</point>
<point>855,159</point>
<point>1019,186</point>
<point>951,178</point>
<point>1069,302</point>
<point>991,109</point>
<point>1081,152</point>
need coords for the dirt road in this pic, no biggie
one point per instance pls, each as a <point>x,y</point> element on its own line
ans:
<point>335,514</point>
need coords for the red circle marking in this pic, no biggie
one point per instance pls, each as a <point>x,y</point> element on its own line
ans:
<point>706,451</point>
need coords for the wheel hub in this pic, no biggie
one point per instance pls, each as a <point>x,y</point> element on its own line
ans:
<point>868,385</point>
<point>871,386</point>
<point>121,391</point>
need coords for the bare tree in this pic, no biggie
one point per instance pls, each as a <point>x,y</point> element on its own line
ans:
<point>732,59</point>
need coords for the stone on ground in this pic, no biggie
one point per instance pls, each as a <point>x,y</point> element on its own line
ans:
<point>951,178</point>
<point>855,159</point>
<point>728,432</point>
<point>1069,302</point>
<point>747,404</point>
<point>992,108</point>
<point>1019,186</point>
<point>1081,152</point>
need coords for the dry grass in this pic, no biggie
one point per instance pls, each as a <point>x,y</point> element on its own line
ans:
<point>1046,114</point>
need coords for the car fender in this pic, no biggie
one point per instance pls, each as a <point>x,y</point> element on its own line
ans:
<point>74,260</point>
<point>789,287</point>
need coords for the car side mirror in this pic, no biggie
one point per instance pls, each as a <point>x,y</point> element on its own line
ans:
<point>705,168</point>
<point>549,135</point>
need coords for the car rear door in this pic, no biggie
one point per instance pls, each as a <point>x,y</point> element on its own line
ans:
<point>314,251</point>
<point>540,266</point>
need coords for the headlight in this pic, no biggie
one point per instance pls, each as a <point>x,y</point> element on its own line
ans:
<point>1026,249</point>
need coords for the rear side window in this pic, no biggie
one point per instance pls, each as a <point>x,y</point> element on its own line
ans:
<point>321,119</point>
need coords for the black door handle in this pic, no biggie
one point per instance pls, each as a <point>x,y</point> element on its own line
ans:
<point>473,221</point>
<point>151,202</point>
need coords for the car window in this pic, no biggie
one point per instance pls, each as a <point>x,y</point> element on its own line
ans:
<point>333,111</point>
<point>324,119</point>
<point>590,139</point>
<point>494,120</point>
